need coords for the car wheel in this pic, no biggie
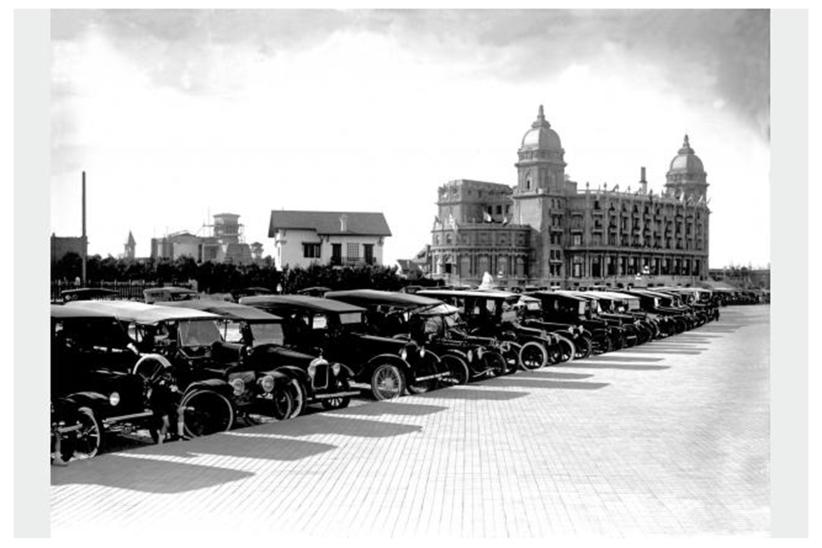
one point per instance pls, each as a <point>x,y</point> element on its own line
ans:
<point>457,368</point>
<point>495,362</point>
<point>533,355</point>
<point>567,349</point>
<point>89,437</point>
<point>387,382</point>
<point>206,412</point>
<point>510,354</point>
<point>298,398</point>
<point>338,403</point>
<point>584,348</point>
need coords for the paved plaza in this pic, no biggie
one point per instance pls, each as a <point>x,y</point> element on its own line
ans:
<point>667,438</point>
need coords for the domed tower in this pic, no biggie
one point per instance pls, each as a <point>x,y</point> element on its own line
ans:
<point>541,166</point>
<point>539,197</point>
<point>686,175</point>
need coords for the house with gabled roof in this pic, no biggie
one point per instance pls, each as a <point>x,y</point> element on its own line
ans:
<point>338,238</point>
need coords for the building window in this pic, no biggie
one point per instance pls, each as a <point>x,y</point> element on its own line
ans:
<point>465,266</point>
<point>336,254</point>
<point>368,253</point>
<point>527,184</point>
<point>577,239</point>
<point>352,252</point>
<point>311,251</point>
<point>499,210</point>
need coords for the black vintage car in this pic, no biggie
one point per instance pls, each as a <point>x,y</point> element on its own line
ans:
<point>565,308</point>
<point>436,326</point>
<point>336,330</point>
<point>215,386</point>
<point>623,305</point>
<point>633,331</point>
<point>491,313</point>
<point>313,379</point>
<point>673,318</point>
<point>94,390</point>
<point>169,293</point>
<point>529,309</point>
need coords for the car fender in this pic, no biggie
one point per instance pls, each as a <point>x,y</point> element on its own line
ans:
<point>162,360</point>
<point>289,372</point>
<point>218,385</point>
<point>95,400</point>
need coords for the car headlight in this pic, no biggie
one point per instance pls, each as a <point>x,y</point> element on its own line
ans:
<point>267,384</point>
<point>336,368</point>
<point>479,352</point>
<point>470,356</point>
<point>403,353</point>
<point>422,352</point>
<point>114,399</point>
<point>238,385</point>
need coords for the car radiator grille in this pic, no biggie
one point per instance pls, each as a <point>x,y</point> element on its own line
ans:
<point>321,375</point>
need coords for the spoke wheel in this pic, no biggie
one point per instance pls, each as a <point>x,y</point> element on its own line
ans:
<point>511,355</point>
<point>387,382</point>
<point>495,362</point>
<point>534,355</point>
<point>89,437</point>
<point>457,368</point>
<point>339,403</point>
<point>584,348</point>
<point>206,412</point>
<point>567,349</point>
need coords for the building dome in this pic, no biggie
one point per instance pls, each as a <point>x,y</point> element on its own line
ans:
<point>686,161</point>
<point>541,136</point>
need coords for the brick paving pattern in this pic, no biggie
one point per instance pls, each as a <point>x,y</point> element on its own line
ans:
<point>667,438</point>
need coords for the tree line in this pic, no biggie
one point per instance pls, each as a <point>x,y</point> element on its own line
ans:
<point>214,277</point>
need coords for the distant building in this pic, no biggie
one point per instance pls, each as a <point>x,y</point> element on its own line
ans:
<point>546,231</point>
<point>129,247</point>
<point>224,244</point>
<point>327,237</point>
<point>743,277</point>
<point>61,245</point>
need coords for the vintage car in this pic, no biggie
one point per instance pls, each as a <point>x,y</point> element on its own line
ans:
<point>316,291</point>
<point>627,306</point>
<point>169,293</point>
<point>94,390</point>
<point>491,313</point>
<point>672,319</point>
<point>87,294</point>
<point>312,378</point>
<point>635,330</point>
<point>530,309</point>
<point>336,330</point>
<point>566,308</point>
<point>436,326</point>
<point>215,386</point>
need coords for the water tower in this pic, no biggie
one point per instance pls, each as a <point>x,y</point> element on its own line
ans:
<point>227,228</point>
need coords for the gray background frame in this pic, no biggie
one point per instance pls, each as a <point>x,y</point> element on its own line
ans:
<point>789,276</point>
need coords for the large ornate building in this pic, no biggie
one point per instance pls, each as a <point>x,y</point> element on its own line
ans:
<point>547,231</point>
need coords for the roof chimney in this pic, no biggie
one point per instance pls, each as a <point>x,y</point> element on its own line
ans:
<point>343,222</point>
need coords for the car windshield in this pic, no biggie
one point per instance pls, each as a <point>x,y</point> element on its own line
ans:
<point>582,308</point>
<point>350,318</point>
<point>199,333</point>
<point>267,333</point>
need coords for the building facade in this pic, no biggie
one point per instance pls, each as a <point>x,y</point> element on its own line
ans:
<point>547,231</point>
<point>222,243</point>
<point>327,237</point>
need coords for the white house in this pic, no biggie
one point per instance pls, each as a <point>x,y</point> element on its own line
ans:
<point>327,237</point>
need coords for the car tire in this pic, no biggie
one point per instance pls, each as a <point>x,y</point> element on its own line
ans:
<point>533,355</point>
<point>387,382</point>
<point>206,412</point>
<point>87,441</point>
<point>495,362</point>
<point>298,399</point>
<point>567,349</point>
<point>457,368</point>
<point>584,348</point>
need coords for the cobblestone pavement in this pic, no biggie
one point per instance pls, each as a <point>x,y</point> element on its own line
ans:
<point>667,438</point>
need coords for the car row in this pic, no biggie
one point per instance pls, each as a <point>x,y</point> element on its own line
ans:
<point>186,368</point>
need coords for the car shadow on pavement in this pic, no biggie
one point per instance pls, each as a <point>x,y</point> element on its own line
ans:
<point>146,475</point>
<point>666,351</point>
<point>524,382</point>
<point>548,372</point>
<point>613,365</point>
<point>327,423</point>
<point>459,393</point>
<point>256,442</point>
<point>619,358</point>
<point>375,409</point>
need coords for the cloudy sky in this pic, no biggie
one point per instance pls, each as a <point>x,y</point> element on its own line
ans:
<point>178,114</point>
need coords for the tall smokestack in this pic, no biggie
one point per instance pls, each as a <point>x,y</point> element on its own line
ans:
<point>642,182</point>
<point>85,240</point>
